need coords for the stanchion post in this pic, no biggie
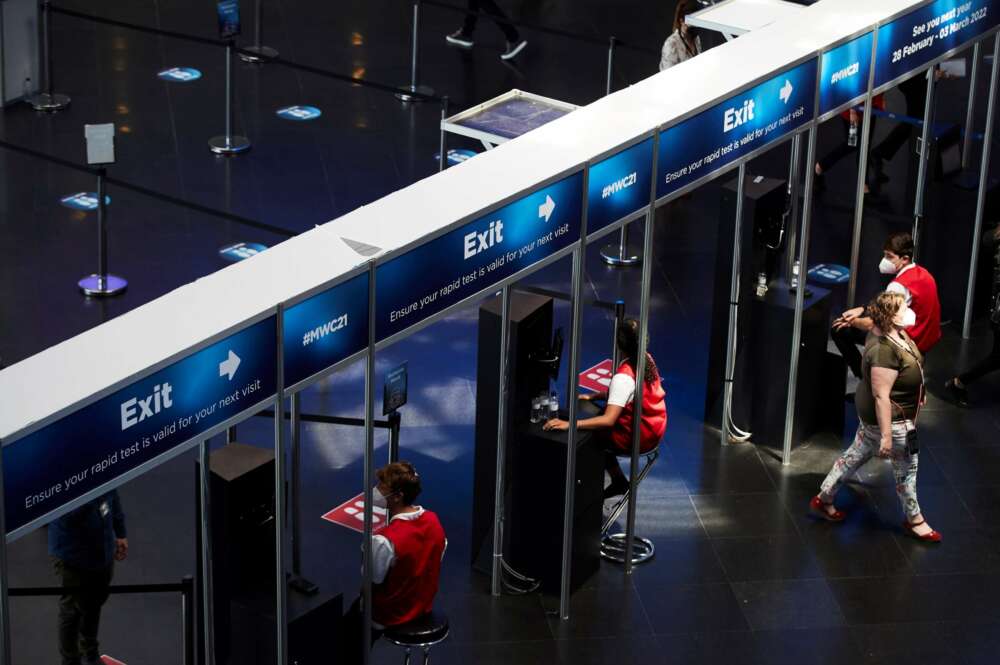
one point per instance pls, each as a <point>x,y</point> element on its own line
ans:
<point>258,52</point>
<point>640,373</point>
<point>442,142</point>
<point>734,303</point>
<point>984,174</point>
<point>859,197</point>
<point>611,65</point>
<point>620,254</point>
<point>414,62</point>
<point>369,459</point>
<point>4,604</point>
<point>800,290</point>
<point>48,100</point>
<point>207,607</point>
<point>925,150</point>
<point>970,112</point>
<point>229,144</point>
<point>102,283</point>
<point>498,516</point>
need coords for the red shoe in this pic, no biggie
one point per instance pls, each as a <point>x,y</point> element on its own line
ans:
<point>818,508</point>
<point>932,537</point>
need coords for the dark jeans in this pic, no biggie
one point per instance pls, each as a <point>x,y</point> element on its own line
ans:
<point>990,363</point>
<point>847,340</point>
<point>352,638</point>
<point>843,150</point>
<point>80,610</point>
<point>490,7</point>
<point>915,95</point>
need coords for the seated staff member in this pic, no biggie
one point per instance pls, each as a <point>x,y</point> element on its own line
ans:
<point>406,558</point>
<point>919,290</point>
<point>614,426</point>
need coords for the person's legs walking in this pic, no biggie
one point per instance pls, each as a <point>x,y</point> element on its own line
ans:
<point>860,451</point>
<point>510,33</point>
<point>69,614</point>
<point>93,596</point>
<point>904,469</point>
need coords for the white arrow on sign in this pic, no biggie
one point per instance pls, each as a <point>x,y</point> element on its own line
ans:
<point>786,91</point>
<point>228,366</point>
<point>545,210</point>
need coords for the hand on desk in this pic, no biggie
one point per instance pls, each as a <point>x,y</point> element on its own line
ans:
<point>556,424</point>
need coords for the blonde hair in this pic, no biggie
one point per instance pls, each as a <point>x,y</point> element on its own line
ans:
<point>884,307</point>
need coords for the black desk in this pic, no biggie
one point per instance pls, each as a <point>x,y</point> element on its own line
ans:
<point>536,475</point>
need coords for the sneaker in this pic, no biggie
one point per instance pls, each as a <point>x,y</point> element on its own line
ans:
<point>461,39</point>
<point>513,48</point>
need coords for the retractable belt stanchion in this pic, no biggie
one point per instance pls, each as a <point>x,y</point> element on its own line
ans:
<point>640,373</point>
<point>229,144</point>
<point>258,52</point>
<point>207,606</point>
<point>4,606</point>
<point>280,501</point>
<point>414,60</point>
<point>800,291</point>
<point>734,304</point>
<point>369,460</point>
<point>442,142</point>
<point>925,141</point>
<point>48,101</point>
<point>102,283</point>
<point>970,112</point>
<point>859,199</point>
<point>984,174</point>
<point>498,517</point>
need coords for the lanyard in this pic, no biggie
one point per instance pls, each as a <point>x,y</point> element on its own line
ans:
<point>906,348</point>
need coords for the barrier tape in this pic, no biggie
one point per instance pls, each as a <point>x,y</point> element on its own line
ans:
<point>180,587</point>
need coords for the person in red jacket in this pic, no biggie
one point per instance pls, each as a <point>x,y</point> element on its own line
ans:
<point>917,287</point>
<point>406,557</point>
<point>614,426</point>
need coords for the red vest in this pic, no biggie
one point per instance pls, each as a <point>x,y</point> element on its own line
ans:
<point>412,581</point>
<point>925,305</point>
<point>654,416</point>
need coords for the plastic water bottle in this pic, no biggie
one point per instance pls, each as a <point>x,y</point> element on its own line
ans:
<point>543,406</point>
<point>536,410</point>
<point>553,405</point>
<point>852,134</point>
<point>761,284</point>
<point>795,275</point>
<point>26,91</point>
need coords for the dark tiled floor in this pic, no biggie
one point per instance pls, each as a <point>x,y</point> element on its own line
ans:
<point>741,574</point>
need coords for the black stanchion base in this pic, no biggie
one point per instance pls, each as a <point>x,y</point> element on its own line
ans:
<point>43,101</point>
<point>420,89</point>
<point>102,286</point>
<point>258,54</point>
<point>618,256</point>
<point>303,586</point>
<point>228,145</point>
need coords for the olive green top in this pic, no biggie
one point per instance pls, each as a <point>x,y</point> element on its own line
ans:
<point>880,351</point>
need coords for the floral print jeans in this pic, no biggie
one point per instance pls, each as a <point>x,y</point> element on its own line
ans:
<point>865,446</point>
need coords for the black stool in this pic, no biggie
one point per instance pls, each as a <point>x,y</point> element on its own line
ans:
<point>422,633</point>
<point>613,544</point>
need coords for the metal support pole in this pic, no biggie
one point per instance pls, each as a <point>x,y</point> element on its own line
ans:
<point>187,621</point>
<point>611,64</point>
<point>4,605</point>
<point>925,151</point>
<point>101,283</point>
<point>47,101</point>
<point>794,167</point>
<point>859,198</point>
<point>231,435</point>
<point>734,304</point>
<point>984,174</point>
<point>572,403</point>
<point>394,424</point>
<point>414,60</point>
<point>296,426</point>
<point>207,600</point>
<point>258,52</point>
<point>616,358</point>
<point>369,472</point>
<point>498,516</point>
<point>640,373</point>
<point>970,113</point>
<point>229,144</point>
<point>800,291</point>
<point>280,507</point>
<point>442,143</point>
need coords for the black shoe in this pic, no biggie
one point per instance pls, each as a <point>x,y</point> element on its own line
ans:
<point>616,488</point>
<point>460,38</point>
<point>959,395</point>
<point>513,48</point>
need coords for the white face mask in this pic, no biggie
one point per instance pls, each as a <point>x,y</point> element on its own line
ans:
<point>886,267</point>
<point>906,318</point>
<point>379,500</point>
